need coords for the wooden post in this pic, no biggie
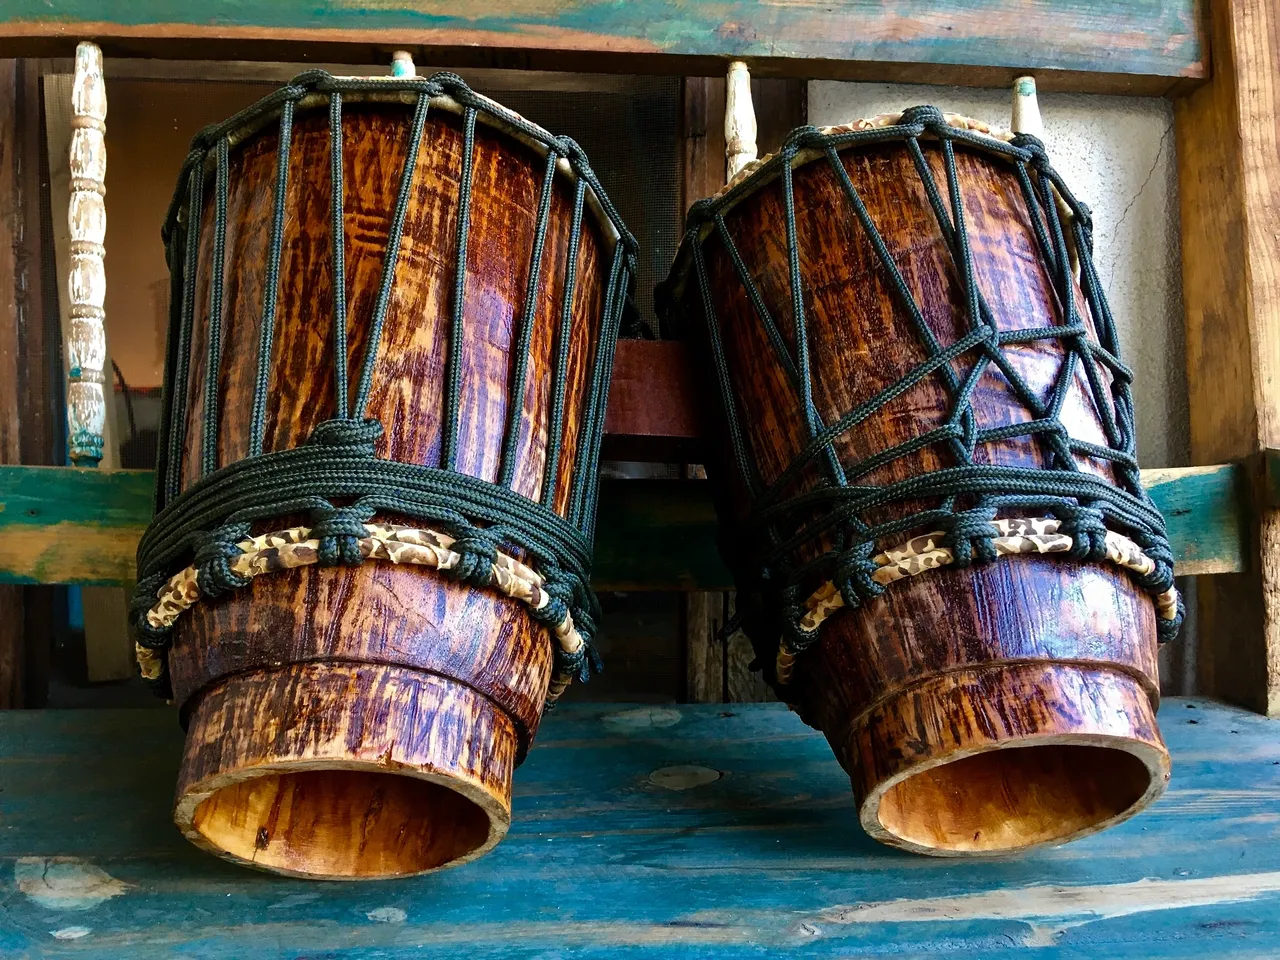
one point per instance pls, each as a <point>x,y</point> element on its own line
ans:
<point>739,120</point>
<point>86,345</point>
<point>1229,184</point>
<point>90,433</point>
<point>40,373</point>
<point>1026,108</point>
<point>11,610</point>
<point>715,671</point>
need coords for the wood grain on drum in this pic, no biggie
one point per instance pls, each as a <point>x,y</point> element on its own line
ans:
<point>933,675</point>
<point>447,648</point>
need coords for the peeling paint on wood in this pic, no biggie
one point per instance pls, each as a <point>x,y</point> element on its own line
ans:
<point>599,863</point>
<point>1093,902</point>
<point>1157,41</point>
<point>65,883</point>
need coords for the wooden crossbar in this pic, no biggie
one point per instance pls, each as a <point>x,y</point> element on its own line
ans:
<point>74,526</point>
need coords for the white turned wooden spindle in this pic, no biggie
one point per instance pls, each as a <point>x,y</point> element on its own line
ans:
<point>1026,108</point>
<point>1026,119</point>
<point>739,120</point>
<point>86,343</point>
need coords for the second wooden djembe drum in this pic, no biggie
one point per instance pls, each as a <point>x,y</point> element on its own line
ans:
<point>394,311</point>
<point>927,481</point>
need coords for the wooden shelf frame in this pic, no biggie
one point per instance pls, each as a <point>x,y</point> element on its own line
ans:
<point>81,526</point>
<point>1151,47</point>
<point>1228,151</point>
<point>1228,148</point>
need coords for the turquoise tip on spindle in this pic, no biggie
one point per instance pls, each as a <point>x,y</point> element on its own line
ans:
<point>402,64</point>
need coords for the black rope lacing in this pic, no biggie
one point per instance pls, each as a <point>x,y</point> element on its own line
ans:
<point>762,551</point>
<point>335,477</point>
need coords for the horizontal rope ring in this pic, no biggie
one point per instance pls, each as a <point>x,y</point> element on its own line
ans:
<point>295,547</point>
<point>1015,537</point>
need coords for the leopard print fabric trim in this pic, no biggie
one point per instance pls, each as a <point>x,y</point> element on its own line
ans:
<point>1016,536</point>
<point>288,549</point>
<point>874,123</point>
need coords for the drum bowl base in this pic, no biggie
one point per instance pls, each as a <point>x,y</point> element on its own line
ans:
<point>1001,759</point>
<point>345,771</point>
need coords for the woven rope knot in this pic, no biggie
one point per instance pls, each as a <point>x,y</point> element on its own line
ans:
<point>970,536</point>
<point>571,151</point>
<point>1167,630</point>
<point>799,138</point>
<point>214,549</point>
<point>1161,578</point>
<point>144,596</point>
<point>794,637</point>
<point>1034,146</point>
<point>854,572</point>
<point>924,114</point>
<point>1087,530</point>
<point>579,665</point>
<point>448,82</point>
<point>477,555</point>
<point>359,436</point>
<point>340,530</point>
<point>559,590</point>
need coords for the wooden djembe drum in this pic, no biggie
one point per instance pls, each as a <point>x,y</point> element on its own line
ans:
<point>925,420</point>
<point>395,305</point>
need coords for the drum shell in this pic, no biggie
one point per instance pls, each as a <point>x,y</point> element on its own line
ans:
<point>956,661</point>
<point>375,638</point>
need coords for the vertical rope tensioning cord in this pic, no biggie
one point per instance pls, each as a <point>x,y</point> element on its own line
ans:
<point>830,519</point>
<point>271,288</point>
<point>335,476</point>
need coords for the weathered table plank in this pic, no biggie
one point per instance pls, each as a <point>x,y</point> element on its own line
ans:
<point>1139,46</point>
<point>606,860</point>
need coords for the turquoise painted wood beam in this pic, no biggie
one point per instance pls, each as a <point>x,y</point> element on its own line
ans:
<point>66,525</point>
<point>659,832</point>
<point>1145,46</point>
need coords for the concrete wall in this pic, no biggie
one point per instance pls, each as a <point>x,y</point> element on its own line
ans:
<point>1116,153</point>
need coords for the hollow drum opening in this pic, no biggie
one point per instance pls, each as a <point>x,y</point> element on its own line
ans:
<point>1014,797</point>
<point>342,824</point>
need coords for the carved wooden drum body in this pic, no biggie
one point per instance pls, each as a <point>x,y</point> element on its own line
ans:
<point>439,420</point>
<point>927,482</point>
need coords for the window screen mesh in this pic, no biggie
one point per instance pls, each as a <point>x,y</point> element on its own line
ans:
<point>630,138</point>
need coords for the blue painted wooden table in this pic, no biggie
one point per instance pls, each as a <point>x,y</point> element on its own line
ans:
<point>613,854</point>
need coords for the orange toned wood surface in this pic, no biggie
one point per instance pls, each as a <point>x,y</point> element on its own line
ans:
<point>872,678</point>
<point>654,413</point>
<point>426,633</point>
